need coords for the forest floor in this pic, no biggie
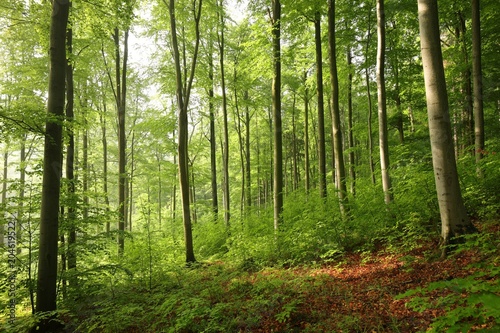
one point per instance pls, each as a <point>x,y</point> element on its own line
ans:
<point>357,294</point>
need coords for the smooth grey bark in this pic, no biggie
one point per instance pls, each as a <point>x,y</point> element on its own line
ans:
<point>276,111</point>
<point>477,75</point>
<point>454,218</point>
<point>225,147</point>
<point>382,104</point>
<point>338,152</point>
<point>52,166</point>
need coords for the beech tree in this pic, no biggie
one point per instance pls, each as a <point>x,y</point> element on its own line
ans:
<point>454,218</point>
<point>338,152</point>
<point>382,103</point>
<point>183,92</point>
<point>276,106</point>
<point>52,166</point>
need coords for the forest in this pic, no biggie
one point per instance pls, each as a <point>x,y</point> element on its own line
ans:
<point>250,166</point>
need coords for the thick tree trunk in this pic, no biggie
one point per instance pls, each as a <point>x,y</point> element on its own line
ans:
<point>454,219</point>
<point>52,166</point>
<point>321,107</point>
<point>478,85</point>
<point>336,130</point>
<point>276,106</point>
<point>382,107</point>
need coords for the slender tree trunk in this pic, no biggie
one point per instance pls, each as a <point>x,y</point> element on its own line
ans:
<point>240,142</point>
<point>247,152</point>
<point>295,153</point>
<point>104,141</point>
<point>467,127</point>
<point>382,106</point>
<point>477,74</point>
<point>276,106</point>
<point>22,183</point>
<point>183,95</point>
<point>370,106</point>
<point>321,107</point>
<point>4,194</point>
<point>350,135</point>
<point>52,166</point>
<point>454,219</point>
<point>337,132</point>
<point>225,150</point>
<point>213,142</point>
<point>70,155</point>
<point>307,165</point>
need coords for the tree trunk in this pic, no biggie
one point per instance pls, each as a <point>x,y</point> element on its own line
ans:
<point>478,85</point>
<point>70,154</point>
<point>454,219</point>
<point>52,166</point>
<point>213,143</point>
<point>336,130</point>
<point>276,105</point>
<point>22,183</point>
<point>4,195</point>
<point>307,165</point>
<point>102,118</point>
<point>247,152</point>
<point>225,150</point>
<point>182,107</point>
<point>321,107</point>
<point>350,135</point>
<point>382,106</point>
<point>370,106</point>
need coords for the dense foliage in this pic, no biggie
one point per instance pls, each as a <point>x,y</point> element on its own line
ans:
<point>330,263</point>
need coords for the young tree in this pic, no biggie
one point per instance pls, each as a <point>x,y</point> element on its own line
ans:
<point>337,132</point>
<point>183,92</point>
<point>478,84</point>
<point>225,150</point>
<point>321,106</point>
<point>52,165</point>
<point>454,218</point>
<point>382,107</point>
<point>276,106</point>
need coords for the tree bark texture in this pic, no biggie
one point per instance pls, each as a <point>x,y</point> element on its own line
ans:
<point>52,166</point>
<point>454,219</point>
